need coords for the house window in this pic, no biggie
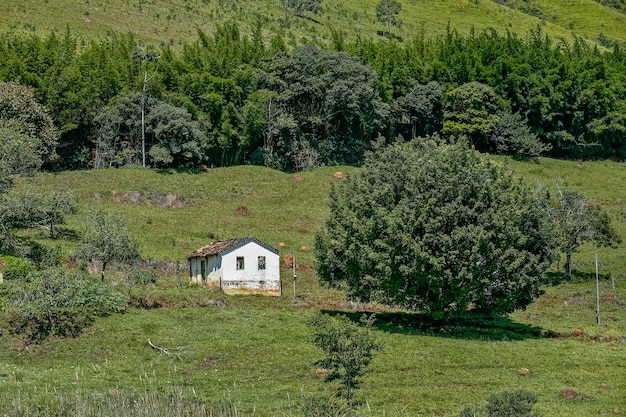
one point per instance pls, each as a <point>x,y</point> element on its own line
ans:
<point>239,263</point>
<point>261,263</point>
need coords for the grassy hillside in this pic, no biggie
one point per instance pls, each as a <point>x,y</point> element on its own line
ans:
<point>160,21</point>
<point>256,351</point>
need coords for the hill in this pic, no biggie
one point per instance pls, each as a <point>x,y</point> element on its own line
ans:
<point>176,22</point>
<point>254,353</point>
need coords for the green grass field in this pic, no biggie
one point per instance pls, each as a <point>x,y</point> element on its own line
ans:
<point>176,22</point>
<point>256,352</point>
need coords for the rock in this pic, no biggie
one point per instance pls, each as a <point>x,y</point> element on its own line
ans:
<point>297,178</point>
<point>523,372</point>
<point>288,260</point>
<point>322,372</point>
<point>338,175</point>
<point>282,245</point>
<point>604,386</point>
<point>578,333</point>
<point>616,411</point>
<point>304,248</point>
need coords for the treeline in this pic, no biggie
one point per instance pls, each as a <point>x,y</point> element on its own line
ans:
<point>230,99</point>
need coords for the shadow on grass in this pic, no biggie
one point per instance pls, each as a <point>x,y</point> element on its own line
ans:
<point>478,326</point>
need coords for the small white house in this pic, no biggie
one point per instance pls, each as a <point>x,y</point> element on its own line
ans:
<point>237,266</point>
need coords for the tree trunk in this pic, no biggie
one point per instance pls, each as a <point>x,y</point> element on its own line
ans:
<point>104,266</point>
<point>568,266</point>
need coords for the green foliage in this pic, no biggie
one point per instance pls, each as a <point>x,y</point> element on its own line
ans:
<point>106,239</point>
<point>326,406</point>
<point>16,268</point>
<point>349,349</point>
<point>387,12</point>
<point>506,404</point>
<point>326,104</point>
<point>173,138</point>
<point>139,275</point>
<point>21,113</point>
<point>439,229</point>
<point>301,6</point>
<point>57,302</point>
<point>19,155</point>
<point>422,106</point>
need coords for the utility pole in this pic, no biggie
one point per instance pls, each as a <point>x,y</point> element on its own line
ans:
<point>295,277</point>
<point>145,57</point>
<point>597,292</point>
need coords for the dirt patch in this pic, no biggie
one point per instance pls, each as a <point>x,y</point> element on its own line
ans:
<point>242,210</point>
<point>297,178</point>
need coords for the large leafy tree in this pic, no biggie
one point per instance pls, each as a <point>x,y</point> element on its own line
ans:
<point>437,229</point>
<point>332,99</point>
<point>21,113</point>
<point>106,239</point>
<point>172,136</point>
<point>422,108</point>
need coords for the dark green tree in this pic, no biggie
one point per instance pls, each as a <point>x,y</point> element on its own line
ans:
<point>422,107</point>
<point>106,239</point>
<point>302,6</point>
<point>173,137</point>
<point>511,136</point>
<point>437,229</point>
<point>333,99</point>
<point>387,12</point>
<point>471,111</point>
<point>349,349</point>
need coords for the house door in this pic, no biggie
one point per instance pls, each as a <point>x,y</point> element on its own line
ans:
<point>203,270</point>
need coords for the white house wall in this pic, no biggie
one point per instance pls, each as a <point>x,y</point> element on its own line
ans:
<point>251,280</point>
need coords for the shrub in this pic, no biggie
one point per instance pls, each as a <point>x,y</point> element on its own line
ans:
<point>57,302</point>
<point>16,268</point>
<point>506,404</point>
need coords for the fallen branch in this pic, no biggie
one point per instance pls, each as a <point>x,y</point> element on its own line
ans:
<point>176,352</point>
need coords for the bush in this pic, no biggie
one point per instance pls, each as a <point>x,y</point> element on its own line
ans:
<point>16,268</point>
<point>37,325</point>
<point>57,302</point>
<point>506,404</point>
<point>332,406</point>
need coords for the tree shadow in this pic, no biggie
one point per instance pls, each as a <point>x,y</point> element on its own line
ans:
<point>469,326</point>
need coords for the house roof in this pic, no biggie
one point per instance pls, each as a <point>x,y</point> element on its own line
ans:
<point>221,246</point>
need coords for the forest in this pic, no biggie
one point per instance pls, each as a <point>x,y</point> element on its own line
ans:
<point>229,98</point>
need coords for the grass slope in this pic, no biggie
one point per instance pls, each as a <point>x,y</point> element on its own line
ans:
<point>256,351</point>
<point>175,22</point>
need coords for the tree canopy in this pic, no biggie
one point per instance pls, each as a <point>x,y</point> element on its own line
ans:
<point>106,239</point>
<point>435,228</point>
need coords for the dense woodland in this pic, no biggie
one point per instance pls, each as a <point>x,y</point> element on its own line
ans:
<point>230,99</point>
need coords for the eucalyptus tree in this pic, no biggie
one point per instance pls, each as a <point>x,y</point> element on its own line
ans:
<point>578,220</point>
